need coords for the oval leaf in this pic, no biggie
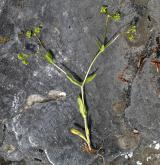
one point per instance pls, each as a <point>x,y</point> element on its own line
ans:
<point>37,30</point>
<point>25,62</point>
<point>116,16</point>
<point>82,107</point>
<point>49,58</point>
<point>90,78</point>
<point>20,56</point>
<point>78,133</point>
<point>28,34</point>
<point>73,80</point>
<point>104,10</point>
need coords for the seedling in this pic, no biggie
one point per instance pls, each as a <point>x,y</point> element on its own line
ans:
<point>131,33</point>
<point>23,57</point>
<point>115,16</point>
<point>88,78</point>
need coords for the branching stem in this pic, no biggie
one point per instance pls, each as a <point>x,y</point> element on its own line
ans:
<point>87,132</point>
<point>41,43</point>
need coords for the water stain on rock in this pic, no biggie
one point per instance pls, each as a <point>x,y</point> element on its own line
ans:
<point>143,21</point>
<point>144,29</point>
<point>4,39</point>
<point>140,2</point>
<point>119,107</point>
<point>129,141</point>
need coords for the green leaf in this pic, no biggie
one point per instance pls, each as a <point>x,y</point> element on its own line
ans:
<point>25,62</point>
<point>20,56</point>
<point>116,16</point>
<point>49,58</point>
<point>78,133</point>
<point>82,107</point>
<point>131,33</point>
<point>29,34</point>
<point>132,29</point>
<point>23,56</point>
<point>73,80</point>
<point>131,37</point>
<point>104,10</point>
<point>37,30</point>
<point>90,78</point>
<point>99,44</point>
<point>102,48</point>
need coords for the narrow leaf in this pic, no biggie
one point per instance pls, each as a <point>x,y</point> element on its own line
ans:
<point>73,80</point>
<point>78,133</point>
<point>90,78</point>
<point>82,107</point>
<point>49,58</point>
<point>98,43</point>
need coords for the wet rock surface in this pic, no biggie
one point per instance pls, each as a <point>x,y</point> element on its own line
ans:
<point>38,104</point>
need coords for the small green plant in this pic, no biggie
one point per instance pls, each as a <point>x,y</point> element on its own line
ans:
<point>23,57</point>
<point>88,77</point>
<point>115,16</point>
<point>131,33</point>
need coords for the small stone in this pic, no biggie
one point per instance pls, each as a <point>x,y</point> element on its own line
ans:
<point>129,155</point>
<point>139,163</point>
<point>129,141</point>
<point>119,107</point>
<point>148,158</point>
<point>32,99</point>
<point>9,148</point>
<point>157,146</point>
<point>55,94</point>
<point>135,131</point>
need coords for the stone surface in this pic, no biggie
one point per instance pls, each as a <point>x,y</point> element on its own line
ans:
<point>35,124</point>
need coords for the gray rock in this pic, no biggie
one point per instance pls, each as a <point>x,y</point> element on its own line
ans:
<point>35,123</point>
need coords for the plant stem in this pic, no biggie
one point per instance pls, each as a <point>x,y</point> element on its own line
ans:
<point>60,69</point>
<point>97,55</point>
<point>87,132</point>
<point>41,43</point>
